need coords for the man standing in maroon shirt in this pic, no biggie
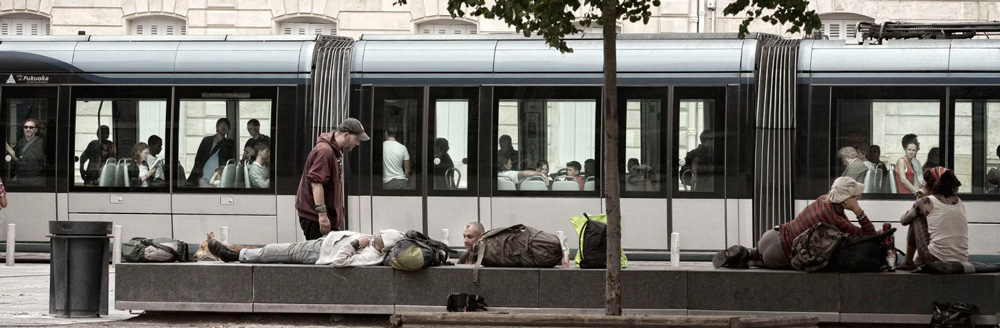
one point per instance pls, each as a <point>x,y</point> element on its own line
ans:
<point>321,186</point>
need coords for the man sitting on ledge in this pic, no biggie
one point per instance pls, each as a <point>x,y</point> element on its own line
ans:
<point>338,248</point>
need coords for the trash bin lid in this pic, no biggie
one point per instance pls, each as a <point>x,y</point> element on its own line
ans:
<point>80,228</point>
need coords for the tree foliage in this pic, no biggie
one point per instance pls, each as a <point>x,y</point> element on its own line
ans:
<point>554,20</point>
<point>775,12</point>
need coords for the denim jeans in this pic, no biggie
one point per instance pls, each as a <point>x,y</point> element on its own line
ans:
<point>305,252</point>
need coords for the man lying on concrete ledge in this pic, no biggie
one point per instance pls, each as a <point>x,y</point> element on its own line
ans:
<point>338,248</point>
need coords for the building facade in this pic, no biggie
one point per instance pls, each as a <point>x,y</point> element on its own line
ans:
<point>356,17</point>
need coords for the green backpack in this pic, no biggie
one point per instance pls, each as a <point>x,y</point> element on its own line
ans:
<point>582,225</point>
<point>155,250</point>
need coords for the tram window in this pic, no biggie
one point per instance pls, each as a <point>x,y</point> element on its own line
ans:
<point>546,144</point>
<point>643,151</point>
<point>451,144</point>
<point>987,113</point>
<point>26,152</point>
<point>398,134</point>
<point>698,141</point>
<point>878,138</point>
<point>224,143</point>
<point>119,142</point>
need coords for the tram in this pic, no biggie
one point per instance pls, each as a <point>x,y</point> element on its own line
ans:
<point>720,138</point>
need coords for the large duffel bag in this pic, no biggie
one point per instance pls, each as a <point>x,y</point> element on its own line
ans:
<point>517,246</point>
<point>141,249</point>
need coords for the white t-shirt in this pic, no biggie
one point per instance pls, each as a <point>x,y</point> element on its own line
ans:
<point>393,155</point>
<point>512,175</point>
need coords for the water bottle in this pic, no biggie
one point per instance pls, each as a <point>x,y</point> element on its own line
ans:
<point>565,248</point>
<point>890,256</point>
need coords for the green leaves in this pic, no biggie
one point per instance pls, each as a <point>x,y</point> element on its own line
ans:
<point>554,20</point>
<point>775,12</point>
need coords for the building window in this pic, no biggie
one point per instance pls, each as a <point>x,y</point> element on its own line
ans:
<point>157,25</point>
<point>447,27</point>
<point>24,24</point>
<point>842,26</point>
<point>308,26</point>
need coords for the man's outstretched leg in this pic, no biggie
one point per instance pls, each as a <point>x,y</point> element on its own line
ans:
<point>306,252</point>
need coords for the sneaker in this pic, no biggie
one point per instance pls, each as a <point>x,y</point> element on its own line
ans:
<point>224,253</point>
<point>735,256</point>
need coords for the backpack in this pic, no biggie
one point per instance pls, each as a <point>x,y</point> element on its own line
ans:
<point>813,249</point>
<point>462,302</point>
<point>517,246</point>
<point>141,249</point>
<point>416,252</point>
<point>864,254</point>
<point>592,232</point>
<point>953,315</point>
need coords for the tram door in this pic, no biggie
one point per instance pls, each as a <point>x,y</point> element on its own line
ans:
<point>28,169</point>
<point>698,203</point>
<point>645,158</point>
<point>424,160</point>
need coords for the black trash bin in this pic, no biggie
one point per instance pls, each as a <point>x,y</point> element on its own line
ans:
<point>78,272</point>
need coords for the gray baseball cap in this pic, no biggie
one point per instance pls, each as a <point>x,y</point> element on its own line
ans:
<point>352,125</point>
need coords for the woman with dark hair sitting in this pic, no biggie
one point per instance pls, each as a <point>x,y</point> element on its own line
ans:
<point>939,230</point>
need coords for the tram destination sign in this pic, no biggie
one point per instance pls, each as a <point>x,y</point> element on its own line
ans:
<point>26,79</point>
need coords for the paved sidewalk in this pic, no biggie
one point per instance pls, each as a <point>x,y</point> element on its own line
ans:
<point>24,298</point>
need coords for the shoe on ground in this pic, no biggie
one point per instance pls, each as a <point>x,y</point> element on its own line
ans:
<point>224,253</point>
<point>736,257</point>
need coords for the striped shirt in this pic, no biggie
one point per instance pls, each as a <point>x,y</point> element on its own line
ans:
<point>822,211</point>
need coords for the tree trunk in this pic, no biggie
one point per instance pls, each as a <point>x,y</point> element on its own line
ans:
<point>612,192</point>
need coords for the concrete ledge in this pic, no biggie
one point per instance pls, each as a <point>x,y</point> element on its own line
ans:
<point>322,308</point>
<point>184,282</point>
<point>900,297</point>
<point>184,306</point>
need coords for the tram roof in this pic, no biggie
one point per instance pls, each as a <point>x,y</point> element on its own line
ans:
<point>157,54</point>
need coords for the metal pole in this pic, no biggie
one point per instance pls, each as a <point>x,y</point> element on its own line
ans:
<point>224,235</point>
<point>10,244</point>
<point>675,249</point>
<point>117,250</point>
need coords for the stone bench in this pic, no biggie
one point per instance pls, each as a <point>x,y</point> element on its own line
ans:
<point>899,297</point>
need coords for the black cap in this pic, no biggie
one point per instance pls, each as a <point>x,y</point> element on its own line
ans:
<point>352,125</point>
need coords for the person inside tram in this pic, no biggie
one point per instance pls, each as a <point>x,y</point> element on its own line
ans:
<point>993,178</point>
<point>932,159</point>
<point>638,175</point>
<point>338,248</point>
<point>442,163</point>
<point>504,170</point>
<point>155,148</point>
<point>96,154</point>
<point>699,161</point>
<point>507,151</point>
<point>139,171</point>
<point>260,169</point>
<point>542,166</point>
<point>863,149</point>
<point>3,196</point>
<point>855,167</point>
<point>28,155</point>
<point>907,179</point>
<point>473,231</point>
<point>216,180</point>
<point>589,169</point>
<point>395,162</point>
<point>573,171</point>
<point>213,152</point>
<point>775,246</point>
<point>939,229</point>
<point>253,127</point>
<point>878,179</point>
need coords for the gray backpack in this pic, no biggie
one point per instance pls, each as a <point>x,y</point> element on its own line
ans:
<point>517,246</point>
<point>155,250</point>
